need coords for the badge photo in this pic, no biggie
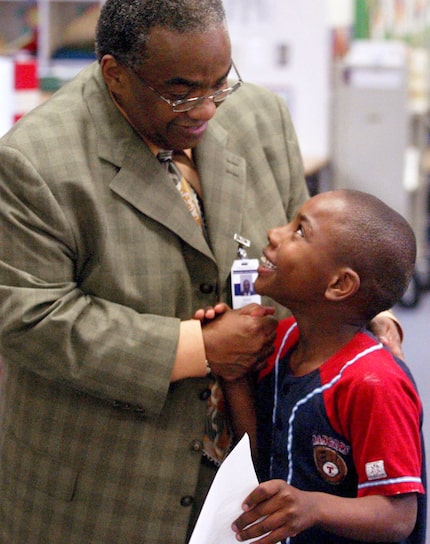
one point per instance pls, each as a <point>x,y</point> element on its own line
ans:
<point>243,274</point>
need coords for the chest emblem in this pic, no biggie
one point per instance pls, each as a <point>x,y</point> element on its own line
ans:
<point>330,464</point>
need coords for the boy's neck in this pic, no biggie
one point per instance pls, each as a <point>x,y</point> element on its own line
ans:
<point>317,343</point>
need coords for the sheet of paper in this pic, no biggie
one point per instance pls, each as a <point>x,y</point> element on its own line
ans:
<point>234,480</point>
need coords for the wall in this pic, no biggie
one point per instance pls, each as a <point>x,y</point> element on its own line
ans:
<point>286,46</point>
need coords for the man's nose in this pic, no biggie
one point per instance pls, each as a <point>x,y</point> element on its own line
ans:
<point>204,111</point>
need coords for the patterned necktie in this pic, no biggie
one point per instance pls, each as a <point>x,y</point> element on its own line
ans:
<point>186,190</point>
<point>217,441</point>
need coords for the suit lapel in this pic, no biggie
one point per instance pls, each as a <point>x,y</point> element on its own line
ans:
<point>223,179</point>
<point>145,184</point>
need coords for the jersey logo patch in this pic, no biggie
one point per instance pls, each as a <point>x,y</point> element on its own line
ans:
<point>375,470</point>
<point>330,464</point>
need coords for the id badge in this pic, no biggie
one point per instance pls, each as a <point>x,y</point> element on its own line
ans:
<point>243,274</point>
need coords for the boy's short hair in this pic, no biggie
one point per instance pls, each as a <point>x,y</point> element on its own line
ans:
<point>380,245</point>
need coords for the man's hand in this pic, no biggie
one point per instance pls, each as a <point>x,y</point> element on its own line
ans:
<point>237,341</point>
<point>388,332</point>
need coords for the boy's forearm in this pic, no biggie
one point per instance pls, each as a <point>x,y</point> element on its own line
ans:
<point>290,511</point>
<point>374,518</point>
<point>239,396</point>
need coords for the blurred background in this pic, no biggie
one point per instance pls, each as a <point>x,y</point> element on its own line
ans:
<point>354,73</point>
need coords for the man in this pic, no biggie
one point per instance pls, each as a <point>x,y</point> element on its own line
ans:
<point>105,389</point>
<point>246,288</point>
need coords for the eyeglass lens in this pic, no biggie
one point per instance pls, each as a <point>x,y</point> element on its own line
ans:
<point>218,97</point>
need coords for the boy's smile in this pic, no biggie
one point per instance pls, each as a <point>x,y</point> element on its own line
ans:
<point>267,263</point>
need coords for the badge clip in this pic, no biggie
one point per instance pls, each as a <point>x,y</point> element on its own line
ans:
<point>242,244</point>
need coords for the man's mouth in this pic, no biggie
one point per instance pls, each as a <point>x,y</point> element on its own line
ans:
<point>194,129</point>
<point>267,263</point>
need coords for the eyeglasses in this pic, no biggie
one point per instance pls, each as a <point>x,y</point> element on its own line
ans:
<point>187,104</point>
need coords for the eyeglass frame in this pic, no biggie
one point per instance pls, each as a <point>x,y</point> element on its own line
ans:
<point>196,100</point>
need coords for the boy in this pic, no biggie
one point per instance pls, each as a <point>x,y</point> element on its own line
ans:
<point>339,443</point>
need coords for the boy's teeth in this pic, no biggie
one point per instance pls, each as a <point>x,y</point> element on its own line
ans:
<point>268,264</point>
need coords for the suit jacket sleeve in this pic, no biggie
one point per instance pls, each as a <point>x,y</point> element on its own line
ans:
<point>50,317</point>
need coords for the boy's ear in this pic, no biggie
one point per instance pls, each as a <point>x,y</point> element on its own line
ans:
<point>343,284</point>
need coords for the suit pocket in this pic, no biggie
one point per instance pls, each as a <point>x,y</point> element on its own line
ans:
<point>36,470</point>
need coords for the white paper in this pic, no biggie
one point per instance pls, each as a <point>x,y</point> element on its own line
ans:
<point>233,482</point>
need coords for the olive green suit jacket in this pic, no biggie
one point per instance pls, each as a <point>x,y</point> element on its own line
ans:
<point>99,262</point>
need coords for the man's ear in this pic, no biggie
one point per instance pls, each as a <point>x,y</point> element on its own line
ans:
<point>343,284</point>
<point>113,73</point>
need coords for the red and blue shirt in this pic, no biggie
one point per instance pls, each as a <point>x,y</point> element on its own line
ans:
<point>350,428</point>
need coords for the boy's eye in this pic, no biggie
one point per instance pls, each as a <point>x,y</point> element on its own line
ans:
<point>300,231</point>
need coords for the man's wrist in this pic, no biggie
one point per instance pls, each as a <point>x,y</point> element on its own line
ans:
<point>191,357</point>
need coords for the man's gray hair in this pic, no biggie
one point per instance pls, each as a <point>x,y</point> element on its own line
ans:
<point>124,25</point>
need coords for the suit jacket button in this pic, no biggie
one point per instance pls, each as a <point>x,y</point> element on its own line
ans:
<point>206,289</point>
<point>205,394</point>
<point>196,445</point>
<point>187,500</point>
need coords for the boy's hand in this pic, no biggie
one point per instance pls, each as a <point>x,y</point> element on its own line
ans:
<point>206,314</point>
<point>274,511</point>
<point>237,341</point>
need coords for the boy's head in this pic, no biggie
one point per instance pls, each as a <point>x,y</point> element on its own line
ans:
<point>342,246</point>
